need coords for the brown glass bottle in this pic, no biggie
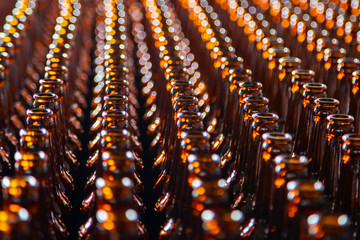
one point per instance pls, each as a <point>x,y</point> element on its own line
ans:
<point>310,92</point>
<point>299,78</point>
<point>354,99</point>
<point>64,159</point>
<point>304,199</point>
<point>337,126</point>
<point>193,141</point>
<point>322,109</point>
<point>321,45</point>
<point>251,105</point>
<point>273,144</point>
<point>245,190</point>
<point>227,135</point>
<point>346,66</point>
<point>281,97</point>
<point>287,168</point>
<point>212,212</point>
<point>328,69</point>
<point>270,79</point>
<point>247,89</point>
<point>261,60</point>
<point>347,199</point>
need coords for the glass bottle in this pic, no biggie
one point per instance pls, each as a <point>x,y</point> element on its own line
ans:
<point>244,190</point>
<point>212,218</point>
<point>43,118</point>
<point>261,61</point>
<point>346,66</point>
<point>310,92</point>
<point>328,68</point>
<point>304,199</point>
<point>354,99</point>
<point>224,139</point>
<point>300,77</point>
<point>273,144</point>
<point>347,199</point>
<point>248,89</point>
<point>322,109</point>
<point>65,160</point>
<point>272,70</point>
<point>252,105</point>
<point>321,45</point>
<point>193,141</point>
<point>337,126</point>
<point>287,168</point>
<point>281,98</point>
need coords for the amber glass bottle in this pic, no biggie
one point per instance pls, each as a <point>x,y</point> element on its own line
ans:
<point>310,92</point>
<point>250,161</point>
<point>273,144</point>
<point>322,109</point>
<point>347,199</point>
<point>354,99</point>
<point>337,126</point>
<point>346,66</point>
<point>299,78</point>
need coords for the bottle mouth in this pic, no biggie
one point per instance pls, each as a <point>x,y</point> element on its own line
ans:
<point>277,136</point>
<point>195,134</point>
<point>29,156</point>
<point>273,41</point>
<point>348,62</point>
<point>334,53</point>
<point>327,102</point>
<point>188,116</point>
<point>45,97</point>
<point>60,69</point>
<point>278,52</point>
<point>39,112</point>
<point>116,84</point>
<point>303,73</point>
<point>249,87</point>
<point>181,85</point>
<point>116,98</point>
<point>115,113</point>
<point>185,103</point>
<point>117,71</point>
<point>33,132</point>
<point>315,87</point>
<point>289,159</point>
<point>340,118</point>
<point>51,82</point>
<point>327,42</point>
<point>265,117</point>
<point>240,73</point>
<point>114,131</point>
<point>176,71</point>
<point>309,189</point>
<point>184,99</point>
<point>289,62</point>
<point>256,101</point>
<point>351,138</point>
